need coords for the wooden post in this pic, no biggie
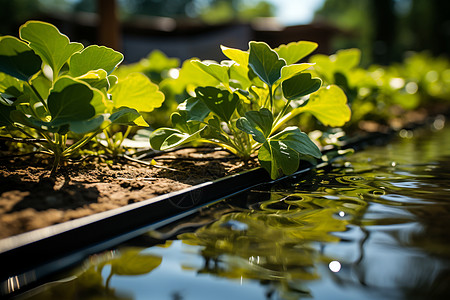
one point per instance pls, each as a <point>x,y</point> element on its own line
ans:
<point>109,25</point>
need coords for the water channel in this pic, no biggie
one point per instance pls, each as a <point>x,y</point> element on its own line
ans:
<point>375,225</point>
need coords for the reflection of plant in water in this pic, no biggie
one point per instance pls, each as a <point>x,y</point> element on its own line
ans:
<point>91,285</point>
<point>276,243</point>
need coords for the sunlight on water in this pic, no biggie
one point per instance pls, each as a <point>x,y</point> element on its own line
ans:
<point>375,226</point>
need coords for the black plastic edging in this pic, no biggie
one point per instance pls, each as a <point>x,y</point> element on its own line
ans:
<point>27,258</point>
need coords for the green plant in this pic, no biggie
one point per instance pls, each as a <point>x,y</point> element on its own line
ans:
<point>244,102</point>
<point>58,95</point>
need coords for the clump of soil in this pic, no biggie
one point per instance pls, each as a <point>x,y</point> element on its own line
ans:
<point>30,199</point>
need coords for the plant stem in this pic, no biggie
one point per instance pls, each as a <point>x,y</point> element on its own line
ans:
<point>38,95</point>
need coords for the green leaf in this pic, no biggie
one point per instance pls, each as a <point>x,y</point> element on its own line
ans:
<point>124,116</point>
<point>166,138</point>
<point>220,102</point>
<point>219,72</point>
<point>97,79</point>
<point>94,58</point>
<point>17,59</point>
<point>297,140</point>
<point>239,56</point>
<point>85,126</point>
<point>70,100</point>
<point>52,46</point>
<point>278,159</point>
<point>281,153</point>
<point>291,70</point>
<point>295,51</point>
<point>195,108</point>
<point>30,121</point>
<point>10,86</point>
<point>5,111</point>
<point>329,106</point>
<point>300,85</point>
<point>265,62</point>
<point>138,92</point>
<point>256,123</point>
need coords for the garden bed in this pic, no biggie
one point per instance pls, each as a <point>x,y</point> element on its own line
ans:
<point>30,199</point>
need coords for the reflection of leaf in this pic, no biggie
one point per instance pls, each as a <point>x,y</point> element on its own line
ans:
<point>133,262</point>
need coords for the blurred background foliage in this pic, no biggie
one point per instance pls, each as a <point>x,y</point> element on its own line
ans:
<point>383,29</point>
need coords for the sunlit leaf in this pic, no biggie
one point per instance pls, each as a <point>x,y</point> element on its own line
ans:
<point>329,106</point>
<point>55,49</point>
<point>127,116</point>
<point>295,51</point>
<point>97,79</point>
<point>219,72</point>
<point>138,92</point>
<point>10,85</point>
<point>265,62</point>
<point>93,58</point>
<point>290,70</point>
<point>196,109</point>
<point>17,59</point>
<point>239,56</point>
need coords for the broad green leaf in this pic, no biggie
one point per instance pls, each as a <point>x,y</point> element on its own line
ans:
<point>348,58</point>
<point>5,111</point>
<point>295,51</point>
<point>157,61</point>
<point>97,79</point>
<point>300,85</point>
<point>94,58</point>
<point>180,120</point>
<point>52,46</point>
<point>281,153</point>
<point>221,102</point>
<point>329,106</point>
<point>278,159</point>
<point>195,108</point>
<point>30,121</point>
<point>86,126</point>
<point>297,140</point>
<point>138,92</point>
<point>256,123</point>
<point>219,72</point>
<point>70,100</point>
<point>17,59</point>
<point>127,116</point>
<point>239,77</point>
<point>132,262</point>
<point>239,56</point>
<point>265,62</point>
<point>10,86</point>
<point>166,138</point>
<point>214,131</point>
<point>290,70</point>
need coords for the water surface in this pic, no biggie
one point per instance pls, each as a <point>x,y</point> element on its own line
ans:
<point>374,226</point>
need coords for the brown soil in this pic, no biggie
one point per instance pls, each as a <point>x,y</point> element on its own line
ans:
<point>30,199</point>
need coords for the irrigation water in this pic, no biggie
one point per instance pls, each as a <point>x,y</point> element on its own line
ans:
<point>375,225</point>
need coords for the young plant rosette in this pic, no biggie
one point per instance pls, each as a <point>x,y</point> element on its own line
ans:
<point>54,91</point>
<point>245,103</point>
